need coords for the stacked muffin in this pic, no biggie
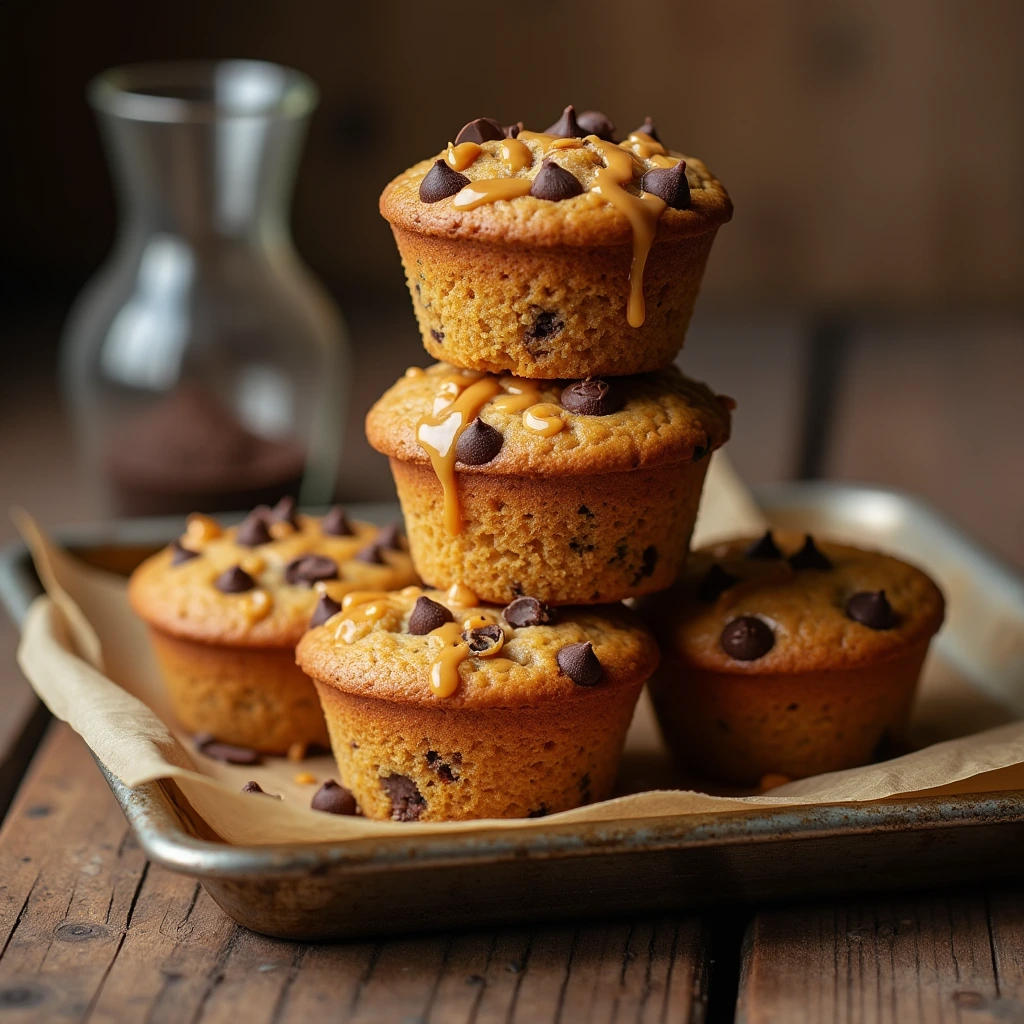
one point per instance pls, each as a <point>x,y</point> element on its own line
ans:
<point>548,468</point>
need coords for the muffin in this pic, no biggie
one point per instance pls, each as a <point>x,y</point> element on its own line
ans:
<point>789,656</point>
<point>441,708</point>
<point>226,607</point>
<point>573,492</point>
<point>555,254</point>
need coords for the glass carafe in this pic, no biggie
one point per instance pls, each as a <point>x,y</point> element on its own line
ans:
<point>204,365</point>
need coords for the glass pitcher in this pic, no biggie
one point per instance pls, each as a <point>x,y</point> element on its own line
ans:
<point>204,366</point>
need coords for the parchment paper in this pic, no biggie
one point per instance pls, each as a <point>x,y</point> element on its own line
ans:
<point>88,658</point>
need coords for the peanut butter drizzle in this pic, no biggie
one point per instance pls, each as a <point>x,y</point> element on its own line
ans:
<point>362,597</point>
<point>444,672</point>
<point>544,419</point>
<point>490,190</point>
<point>461,596</point>
<point>660,160</point>
<point>542,140</point>
<point>515,155</point>
<point>462,156</point>
<point>644,146</point>
<point>480,620</point>
<point>523,395</point>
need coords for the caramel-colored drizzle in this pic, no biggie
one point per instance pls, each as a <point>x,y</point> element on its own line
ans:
<point>523,395</point>
<point>544,419</point>
<point>490,190</point>
<point>515,155</point>
<point>256,605</point>
<point>444,672</point>
<point>462,156</point>
<point>644,146</point>
<point>461,596</point>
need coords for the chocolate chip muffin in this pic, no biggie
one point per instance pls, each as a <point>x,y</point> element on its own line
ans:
<point>442,708</point>
<point>555,254</point>
<point>225,608</point>
<point>787,655</point>
<point>578,492</point>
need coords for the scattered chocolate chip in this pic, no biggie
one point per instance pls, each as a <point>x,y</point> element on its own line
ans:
<point>580,664</point>
<point>649,561</point>
<point>336,523</point>
<point>668,183</point>
<point>715,583</point>
<point>181,554</point>
<point>478,443</point>
<point>325,608</point>
<point>406,802</point>
<point>334,799</point>
<point>765,548</point>
<point>747,638</point>
<point>555,183</point>
<point>546,325</point>
<point>647,128</point>
<point>526,611</point>
<point>252,531</point>
<point>592,397</point>
<point>593,122</point>
<point>441,182</point>
<point>483,129</point>
<point>539,812</point>
<point>444,770</point>
<point>226,752</point>
<point>428,615</point>
<point>255,787</point>
<point>484,639</point>
<point>566,127</point>
<point>371,555</point>
<point>437,335</point>
<point>701,450</point>
<point>809,557</point>
<point>512,130</point>
<point>389,537</point>
<point>284,512</point>
<point>310,569</point>
<point>234,581</point>
<point>871,608</point>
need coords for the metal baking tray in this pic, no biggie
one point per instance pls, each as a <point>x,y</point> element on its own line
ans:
<point>377,887</point>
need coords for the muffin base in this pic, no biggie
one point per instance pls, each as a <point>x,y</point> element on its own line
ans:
<point>479,762</point>
<point>738,728</point>
<point>564,540</point>
<point>252,697</point>
<point>550,312</point>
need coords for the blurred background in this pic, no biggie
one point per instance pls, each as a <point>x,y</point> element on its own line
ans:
<point>865,306</point>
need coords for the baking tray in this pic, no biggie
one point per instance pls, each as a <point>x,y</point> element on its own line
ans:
<point>377,887</point>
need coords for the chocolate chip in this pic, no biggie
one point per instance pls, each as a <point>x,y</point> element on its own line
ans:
<point>371,555</point>
<point>234,581</point>
<point>284,512</point>
<point>580,664</point>
<point>765,548</point>
<point>255,787</point>
<point>527,611</point>
<point>427,616</point>
<point>483,129</point>
<point>484,639</point>
<point>701,450</point>
<point>809,557</point>
<point>325,608</point>
<point>335,523</point>
<point>593,122</point>
<point>539,812</point>
<point>437,335</point>
<point>592,397</point>
<point>406,802</point>
<point>310,569</point>
<point>649,559</point>
<point>715,583</point>
<point>334,799</point>
<point>512,130</point>
<point>478,443</point>
<point>252,531</point>
<point>444,771</point>
<point>546,325</point>
<point>181,554</point>
<point>566,127</point>
<point>647,128</point>
<point>226,752</point>
<point>441,182</point>
<point>389,537</point>
<point>871,608</point>
<point>747,638</point>
<point>668,183</point>
<point>555,183</point>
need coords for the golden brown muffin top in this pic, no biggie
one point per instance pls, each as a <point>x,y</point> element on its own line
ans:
<point>211,587</point>
<point>655,418</point>
<point>425,645</point>
<point>815,606</point>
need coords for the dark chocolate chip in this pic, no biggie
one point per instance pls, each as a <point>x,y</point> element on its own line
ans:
<point>701,450</point>
<point>547,325</point>
<point>715,583</point>
<point>871,608</point>
<point>478,443</point>
<point>234,581</point>
<point>593,122</point>
<point>252,531</point>
<point>310,569</point>
<point>566,127</point>
<point>371,555</point>
<point>226,752</point>
<point>512,130</point>
<point>441,182</point>
<point>437,335</point>
<point>284,512</point>
<point>255,787</point>
<point>809,557</point>
<point>592,397</point>
<point>483,129</point>
<point>336,523</point>
<point>765,548</point>
<point>444,770</point>
<point>181,554</point>
<point>647,128</point>
<point>580,664</point>
<point>334,799</point>
<point>325,608</point>
<point>539,812</point>
<point>747,638</point>
<point>389,537</point>
<point>668,183</point>
<point>649,561</point>
<point>555,183</point>
<point>484,639</point>
<point>406,802</point>
<point>527,611</point>
<point>428,615</point>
